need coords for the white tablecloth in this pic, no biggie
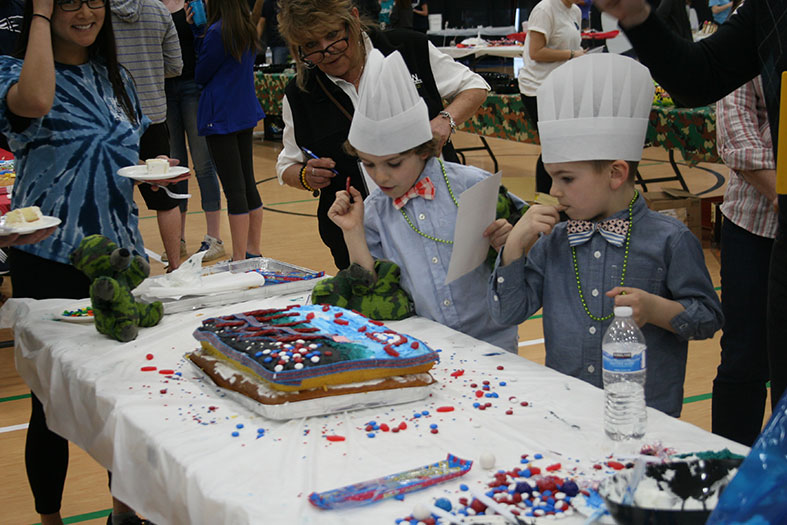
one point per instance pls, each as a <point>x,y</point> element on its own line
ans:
<point>168,439</point>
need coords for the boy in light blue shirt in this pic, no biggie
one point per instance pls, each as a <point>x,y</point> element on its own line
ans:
<point>593,115</point>
<point>410,215</point>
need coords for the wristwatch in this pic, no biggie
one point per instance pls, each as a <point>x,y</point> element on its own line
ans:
<point>451,122</point>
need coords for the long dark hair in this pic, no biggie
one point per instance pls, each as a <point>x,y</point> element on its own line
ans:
<point>103,50</point>
<point>238,33</point>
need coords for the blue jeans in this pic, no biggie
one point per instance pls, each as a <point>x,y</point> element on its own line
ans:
<point>739,391</point>
<point>182,101</point>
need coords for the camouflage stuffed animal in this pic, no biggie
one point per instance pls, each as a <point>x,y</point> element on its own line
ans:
<point>114,272</point>
<point>357,289</point>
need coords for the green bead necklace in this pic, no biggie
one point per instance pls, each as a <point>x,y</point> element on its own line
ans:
<point>623,271</point>
<point>419,232</point>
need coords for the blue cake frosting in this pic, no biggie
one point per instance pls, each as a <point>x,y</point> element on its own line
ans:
<point>287,346</point>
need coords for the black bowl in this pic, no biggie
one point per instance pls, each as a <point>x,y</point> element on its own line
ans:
<point>685,479</point>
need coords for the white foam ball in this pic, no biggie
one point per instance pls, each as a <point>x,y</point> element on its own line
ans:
<point>421,512</point>
<point>487,461</point>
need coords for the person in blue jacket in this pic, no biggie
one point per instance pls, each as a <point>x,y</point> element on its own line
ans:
<point>228,111</point>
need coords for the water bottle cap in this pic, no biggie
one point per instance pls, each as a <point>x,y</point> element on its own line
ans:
<point>623,311</point>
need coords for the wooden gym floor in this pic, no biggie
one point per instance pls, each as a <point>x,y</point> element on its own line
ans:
<point>290,234</point>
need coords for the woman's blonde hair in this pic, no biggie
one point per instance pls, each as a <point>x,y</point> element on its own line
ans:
<point>303,20</point>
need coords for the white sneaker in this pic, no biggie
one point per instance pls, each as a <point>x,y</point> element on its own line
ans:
<point>214,247</point>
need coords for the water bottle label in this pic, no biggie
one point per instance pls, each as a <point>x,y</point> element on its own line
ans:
<point>623,361</point>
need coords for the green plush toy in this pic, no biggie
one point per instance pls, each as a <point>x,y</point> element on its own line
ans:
<point>114,273</point>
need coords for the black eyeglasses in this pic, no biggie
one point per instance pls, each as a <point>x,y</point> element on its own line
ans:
<point>76,5</point>
<point>316,57</point>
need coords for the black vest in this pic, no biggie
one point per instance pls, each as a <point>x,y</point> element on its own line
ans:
<point>323,128</point>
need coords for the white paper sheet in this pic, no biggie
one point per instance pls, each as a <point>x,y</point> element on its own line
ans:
<point>477,207</point>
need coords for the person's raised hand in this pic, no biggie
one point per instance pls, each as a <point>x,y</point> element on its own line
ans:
<point>441,129</point>
<point>498,233</point>
<point>44,7</point>
<point>539,219</point>
<point>347,212</point>
<point>319,172</point>
<point>629,13</point>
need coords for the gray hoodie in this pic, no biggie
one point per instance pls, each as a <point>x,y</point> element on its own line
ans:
<point>148,46</point>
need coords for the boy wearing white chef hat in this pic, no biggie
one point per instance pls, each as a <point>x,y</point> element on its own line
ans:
<point>409,217</point>
<point>593,116</point>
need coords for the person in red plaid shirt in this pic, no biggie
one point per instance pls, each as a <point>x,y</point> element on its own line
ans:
<point>749,227</point>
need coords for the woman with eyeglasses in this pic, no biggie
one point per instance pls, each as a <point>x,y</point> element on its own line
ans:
<point>72,118</point>
<point>228,111</point>
<point>330,43</point>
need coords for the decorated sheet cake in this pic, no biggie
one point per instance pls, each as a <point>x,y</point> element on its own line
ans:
<point>302,352</point>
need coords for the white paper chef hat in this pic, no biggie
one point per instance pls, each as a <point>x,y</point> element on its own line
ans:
<point>595,107</point>
<point>390,117</point>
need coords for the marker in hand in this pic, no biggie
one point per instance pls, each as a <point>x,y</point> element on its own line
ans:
<point>309,153</point>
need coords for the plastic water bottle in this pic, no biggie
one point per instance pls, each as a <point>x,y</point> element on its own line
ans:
<point>623,359</point>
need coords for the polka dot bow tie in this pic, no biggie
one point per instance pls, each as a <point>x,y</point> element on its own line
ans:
<point>613,230</point>
<point>423,188</point>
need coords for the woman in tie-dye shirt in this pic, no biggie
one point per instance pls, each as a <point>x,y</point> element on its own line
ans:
<point>72,119</point>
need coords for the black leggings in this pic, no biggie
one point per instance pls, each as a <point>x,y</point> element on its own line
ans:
<point>543,180</point>
<point>46,453</point>
<point>233,159</point>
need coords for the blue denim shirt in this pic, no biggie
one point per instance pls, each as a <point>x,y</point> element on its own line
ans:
<point>424,263</point>
<point>665,259</point>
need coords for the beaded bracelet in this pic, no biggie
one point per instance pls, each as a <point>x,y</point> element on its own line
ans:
<point>303,179</point>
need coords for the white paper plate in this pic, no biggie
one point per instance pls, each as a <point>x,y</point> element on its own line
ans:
<point>29,227</point>
<point>75,319</point>
<point>58,315</point>
<point>140,172</point>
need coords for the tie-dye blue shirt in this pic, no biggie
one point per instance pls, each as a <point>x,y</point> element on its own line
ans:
<point>67,161</point>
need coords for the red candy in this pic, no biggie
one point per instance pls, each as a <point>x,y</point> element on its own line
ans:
<point>149,357</point>
<point>509,412</point>
<point>500,367</point>
<point>390,351</point>
<point>148,368</point>
<point>384,427</point>
<point>524,403</point>
<point>163,391</point>
<point>166,372</point>
<point>433,431</point>
<point>479,393</point>
<point>334,438</point>
<point>402,425</point>
<point>552,468</point>
<point>615,465</point>
<point>457,373</point>
<point>445,409</point>
<point>395,430</point>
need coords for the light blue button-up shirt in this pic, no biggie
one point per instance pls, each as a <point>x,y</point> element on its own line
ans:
<point>665,259</point>
<point>424,262</point>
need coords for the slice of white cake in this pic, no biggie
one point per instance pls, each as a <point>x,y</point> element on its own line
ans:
<point>23,215</point>
<point>157,166</point>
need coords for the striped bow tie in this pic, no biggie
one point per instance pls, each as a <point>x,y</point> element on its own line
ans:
<point>613,230</point>
<point>423,188</point>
